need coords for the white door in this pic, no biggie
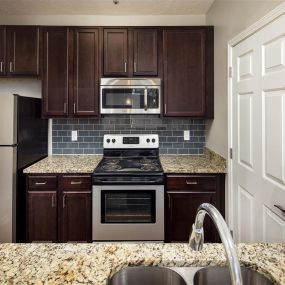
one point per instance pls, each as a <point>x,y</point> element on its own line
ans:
<point>258,135</point>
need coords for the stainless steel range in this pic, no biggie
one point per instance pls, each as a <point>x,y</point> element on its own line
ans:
<point>128,190</point>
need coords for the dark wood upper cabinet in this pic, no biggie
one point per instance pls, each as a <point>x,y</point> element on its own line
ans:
<point>145,52</point>
<point>86,72</point>
<point>55,71</point>
<point>23,51</point>
<point>42,216</point>
<point>2,50</point>
<point>188,71</point>
<point>115,52</point>
<point>76,217</point>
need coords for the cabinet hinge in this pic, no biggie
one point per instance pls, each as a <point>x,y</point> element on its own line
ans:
<point>231,153</point>
<point>230,72</point>
<point>232,233</point>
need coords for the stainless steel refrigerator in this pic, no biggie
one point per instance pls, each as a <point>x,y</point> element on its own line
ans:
<point>23,141</point>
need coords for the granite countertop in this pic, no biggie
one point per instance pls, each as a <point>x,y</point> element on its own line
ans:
<point>65,164</point>
<point>95,263</point>
<point>210,162</point>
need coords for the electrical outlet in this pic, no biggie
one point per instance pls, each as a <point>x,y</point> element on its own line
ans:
<point>74,136</point>
<point>187,135</point>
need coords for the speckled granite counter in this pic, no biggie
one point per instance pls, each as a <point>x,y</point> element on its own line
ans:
<point>65,164</point>
<point>95,263</point>
<point>210,162</point>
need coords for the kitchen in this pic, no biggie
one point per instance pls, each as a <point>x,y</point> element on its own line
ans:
<point>134,131</point>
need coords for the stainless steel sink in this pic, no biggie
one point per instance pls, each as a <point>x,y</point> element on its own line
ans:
<point>221,276</point>
<point>144,275</point>
<point>213,275</point>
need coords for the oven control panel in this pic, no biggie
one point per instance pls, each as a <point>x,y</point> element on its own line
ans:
<point>131,141</point>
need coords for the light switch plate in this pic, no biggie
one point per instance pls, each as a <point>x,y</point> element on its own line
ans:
<point>74,135</point>
<point>187,135</point>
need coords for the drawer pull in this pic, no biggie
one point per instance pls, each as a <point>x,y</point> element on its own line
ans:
<point>280,208</point>
<point>76,182</point>
<point>63,201</point>
<point>40,183</point>
<point>191,182</point>
<point>53,201</point>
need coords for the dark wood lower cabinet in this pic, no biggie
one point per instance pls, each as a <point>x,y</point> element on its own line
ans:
<point>62,214</point>
<point>185,193</point>
<point>76,217</point>
<point>42,216</point>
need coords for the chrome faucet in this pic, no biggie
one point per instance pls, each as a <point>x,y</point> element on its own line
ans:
<point>196,239</point>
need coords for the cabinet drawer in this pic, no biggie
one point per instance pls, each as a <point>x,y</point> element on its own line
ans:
<point>76,182</point>
<point>191,182</point>
<point>42,182</point>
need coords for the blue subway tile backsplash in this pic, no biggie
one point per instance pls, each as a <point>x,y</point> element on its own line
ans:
<point>91,132</point>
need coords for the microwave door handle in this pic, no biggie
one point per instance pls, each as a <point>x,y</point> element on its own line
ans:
<point>145,99</point>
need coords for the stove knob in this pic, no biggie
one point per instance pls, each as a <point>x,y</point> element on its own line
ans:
<point>147,140</point>
<point>108,140</point>
<point>113,140</point>
<point>153,140</point>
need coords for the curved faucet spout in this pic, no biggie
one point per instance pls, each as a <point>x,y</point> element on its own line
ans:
<point>196,239</point>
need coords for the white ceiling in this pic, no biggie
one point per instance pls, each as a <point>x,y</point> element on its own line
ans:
<point>104,7</point>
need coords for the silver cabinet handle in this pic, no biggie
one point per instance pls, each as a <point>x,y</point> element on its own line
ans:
<point>191,182</point>
<point>76,182</point>
<point>145,99</point>
<point>164,108</point>
<point>11,66</point>
<point>1,66</point>
<point>135,67</point>
<point>125,66</point>
<point>65,108</point>
<point>63,201</point>
<point>74,108</point>
<point>53,200</point>
<point>40,183</point>
<point>280,208</point>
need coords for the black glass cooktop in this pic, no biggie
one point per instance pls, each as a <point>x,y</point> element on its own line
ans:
<point>122,165</point>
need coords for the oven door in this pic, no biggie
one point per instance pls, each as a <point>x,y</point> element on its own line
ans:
<point>130,99</point>
<point>128,213</point>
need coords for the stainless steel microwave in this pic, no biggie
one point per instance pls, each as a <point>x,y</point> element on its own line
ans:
<point>130,96</point>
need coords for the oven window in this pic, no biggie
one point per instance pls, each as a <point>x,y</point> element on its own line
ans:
<point>123,98</point>
<point>127,206</point>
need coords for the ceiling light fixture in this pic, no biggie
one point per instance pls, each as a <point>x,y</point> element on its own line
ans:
<point>116,2</point>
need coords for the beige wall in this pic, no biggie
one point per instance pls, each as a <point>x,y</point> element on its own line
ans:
<point>229,19</point>
<point>104,20</point>
<point>28,87</point>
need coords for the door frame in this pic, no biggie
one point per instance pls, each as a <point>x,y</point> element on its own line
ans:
<point>251,30</point>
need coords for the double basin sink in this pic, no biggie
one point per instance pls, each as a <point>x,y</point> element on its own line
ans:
<point>213,275</point>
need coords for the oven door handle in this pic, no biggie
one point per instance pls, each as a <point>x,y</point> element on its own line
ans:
<point>145,99</point>
<point>122,181</point>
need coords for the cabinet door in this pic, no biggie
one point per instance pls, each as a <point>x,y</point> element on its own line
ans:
<point>86,75</point>
<point>115,52</point>
<point>76,216</point>
<point>145,52</point>
<point>42,216</point>
<point>23,45</point>
<point>181,213</point>
<point>2,50</point>
<point>55,71</point>
<point>187,77</point>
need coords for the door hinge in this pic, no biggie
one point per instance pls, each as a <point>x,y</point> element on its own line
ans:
<point>230,72</point>
<point>231,153</point>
